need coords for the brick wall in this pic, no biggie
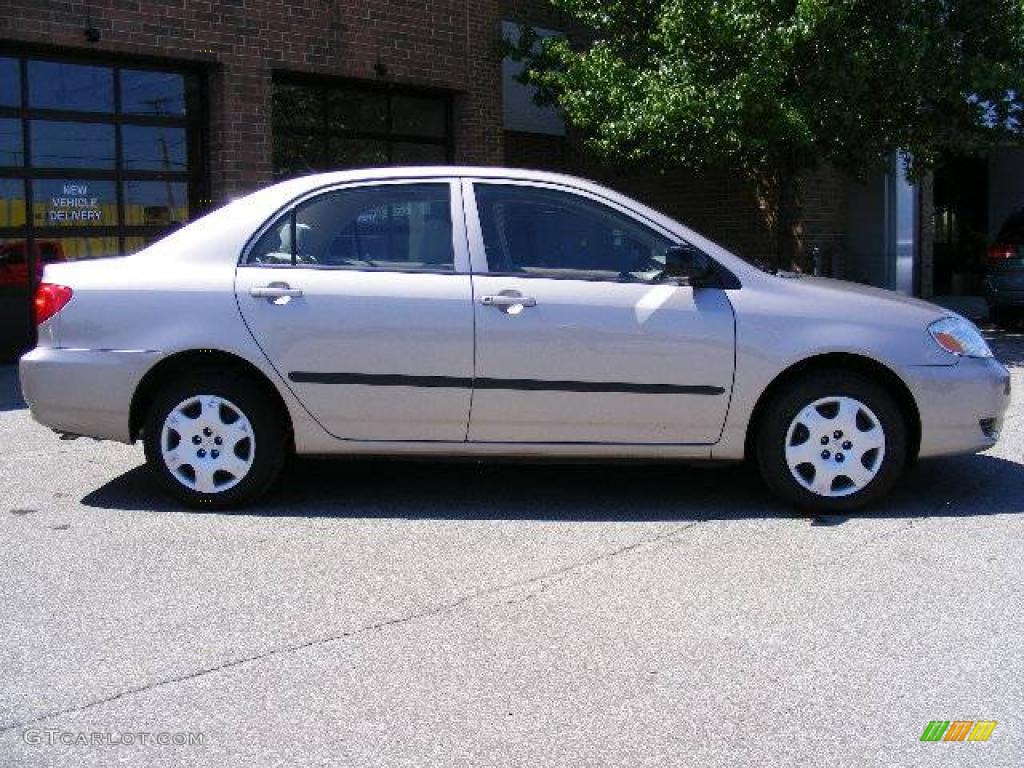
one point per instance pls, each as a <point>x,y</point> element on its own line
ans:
<point>448,44</point>
<point>825,218</point>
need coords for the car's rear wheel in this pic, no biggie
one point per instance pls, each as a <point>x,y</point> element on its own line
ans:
<point>834,441</point>
<point>214,440</point>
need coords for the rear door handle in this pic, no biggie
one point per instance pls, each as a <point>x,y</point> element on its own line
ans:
<point>504,300</point>
<point>276,293</point>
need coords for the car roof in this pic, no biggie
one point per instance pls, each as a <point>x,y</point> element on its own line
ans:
<point>416,171</point>
<point>300,184</point>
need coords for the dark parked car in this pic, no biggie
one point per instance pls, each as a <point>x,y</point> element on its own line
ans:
<point>1004,278</point>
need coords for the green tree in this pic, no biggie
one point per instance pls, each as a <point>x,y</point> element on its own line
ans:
<point>777,88</point>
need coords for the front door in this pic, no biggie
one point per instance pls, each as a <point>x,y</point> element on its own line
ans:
<point>361,299</point>
<point>579,339</point>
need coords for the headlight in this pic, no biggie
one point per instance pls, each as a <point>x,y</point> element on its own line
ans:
<point>959,337</point>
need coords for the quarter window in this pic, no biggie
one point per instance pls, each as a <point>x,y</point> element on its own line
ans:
<point>549,233</point>
<point>404,227</point>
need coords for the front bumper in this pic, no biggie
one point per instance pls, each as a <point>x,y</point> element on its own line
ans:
<point>961,406</point>
<point>84,391</point>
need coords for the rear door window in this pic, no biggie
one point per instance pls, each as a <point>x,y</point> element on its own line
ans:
<point>403,227</point>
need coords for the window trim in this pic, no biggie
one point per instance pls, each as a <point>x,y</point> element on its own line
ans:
<point>460,248</point>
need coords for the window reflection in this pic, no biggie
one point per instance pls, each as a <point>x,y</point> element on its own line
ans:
<point>13,269</point>
<point>331,126</point>
<point>72,145</point>
<point>136,244</point>
<point>356,110</point>
<point>14,264</point>
<point>145,92</point>
<point>296,155</point>
<point>419,116</point>
<point>404,153</point>
<point>154,148</point>
<point>77,248</point>
<point>352,153</point>
<point>297,106</point>
<point>155,203</point>
<point>11,152</point>
<point>59,85</point>
<point>10,83</point>
<point>12,203</point>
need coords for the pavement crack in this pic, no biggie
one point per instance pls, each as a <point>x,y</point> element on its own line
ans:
<point>552,576</point>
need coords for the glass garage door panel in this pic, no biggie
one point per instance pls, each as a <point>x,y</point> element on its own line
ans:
<point>154,148</point>
<point>10,83</point>
<point>325,124</point>
<point>167,94</point>
<point>155,203</point>
<point>106,155</point>
<point>70,87</point>
<point>74,203</point>
<point>11,151</point>
<point>64,144</point>
<point>12,203</point>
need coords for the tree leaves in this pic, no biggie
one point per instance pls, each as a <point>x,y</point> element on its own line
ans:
<point>776,86</point>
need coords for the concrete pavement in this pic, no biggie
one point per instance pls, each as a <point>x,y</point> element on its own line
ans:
<point>396,613</point>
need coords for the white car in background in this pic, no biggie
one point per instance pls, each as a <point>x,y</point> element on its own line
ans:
<point>492,312</point>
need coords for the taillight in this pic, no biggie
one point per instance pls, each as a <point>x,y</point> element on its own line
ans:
<point>50,299</point>
<point>1001,252</point>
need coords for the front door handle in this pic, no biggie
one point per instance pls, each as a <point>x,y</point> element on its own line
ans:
<point>508,300</point>
<point>276,293</point>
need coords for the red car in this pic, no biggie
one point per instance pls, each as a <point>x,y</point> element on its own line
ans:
<point>14,264</point>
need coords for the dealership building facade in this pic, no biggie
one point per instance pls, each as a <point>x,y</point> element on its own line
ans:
<point>122,119</point>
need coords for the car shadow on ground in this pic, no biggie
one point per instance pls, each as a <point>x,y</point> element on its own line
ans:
<point>422,490</point>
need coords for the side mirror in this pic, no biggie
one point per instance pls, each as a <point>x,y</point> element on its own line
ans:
<point>686,263</point>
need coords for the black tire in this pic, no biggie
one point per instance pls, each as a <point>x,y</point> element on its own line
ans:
<point>781,412</point>
<point>268,441</point>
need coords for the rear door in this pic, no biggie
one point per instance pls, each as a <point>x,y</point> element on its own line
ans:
<point>579,340</point>
<point>361,299</point>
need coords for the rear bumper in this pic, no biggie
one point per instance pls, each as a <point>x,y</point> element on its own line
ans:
<point>961,406</point>
<point>84,391</point>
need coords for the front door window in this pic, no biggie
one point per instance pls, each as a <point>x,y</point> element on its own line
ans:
<point>549,233</point>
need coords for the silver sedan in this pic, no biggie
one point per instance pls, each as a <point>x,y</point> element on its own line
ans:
<point>489,312</point>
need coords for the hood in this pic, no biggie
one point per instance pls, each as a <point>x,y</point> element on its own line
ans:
<point>864,297</point>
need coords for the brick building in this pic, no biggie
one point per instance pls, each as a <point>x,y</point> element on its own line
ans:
<point>121,118</point>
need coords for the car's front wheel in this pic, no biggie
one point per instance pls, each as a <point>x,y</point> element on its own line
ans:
<point>834,441</point>
<point>214,440</point>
